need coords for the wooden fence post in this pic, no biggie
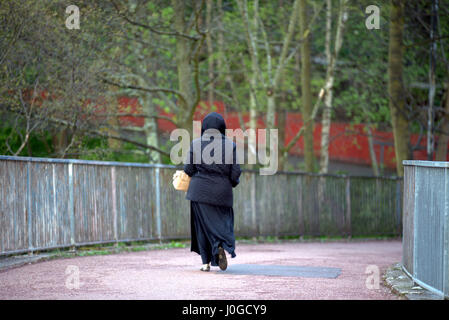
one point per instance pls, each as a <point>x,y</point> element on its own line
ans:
<point>299,181</point>
<point>29,215</point>
<point>253,205</point>
<point>71,207</point>
<point>348,208</point>
<point>114,204</point>
<point>158,204</point>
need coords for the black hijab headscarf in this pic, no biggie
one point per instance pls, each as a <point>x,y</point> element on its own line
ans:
<point>214,121</point>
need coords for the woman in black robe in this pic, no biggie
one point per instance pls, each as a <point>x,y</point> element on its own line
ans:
<point>214,173</point>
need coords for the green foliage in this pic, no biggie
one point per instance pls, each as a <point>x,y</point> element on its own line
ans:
<point>70,65</point>
<point>106,249</point>
<point>38,146</point>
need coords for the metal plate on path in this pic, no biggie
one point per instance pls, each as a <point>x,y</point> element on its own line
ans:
<point>283,271</point>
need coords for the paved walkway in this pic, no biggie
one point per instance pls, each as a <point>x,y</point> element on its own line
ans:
<point>332,270</point>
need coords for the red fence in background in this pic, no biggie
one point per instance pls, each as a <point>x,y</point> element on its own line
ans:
<point>348,143</point>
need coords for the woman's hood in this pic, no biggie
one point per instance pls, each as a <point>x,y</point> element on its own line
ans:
<point>214,121</point>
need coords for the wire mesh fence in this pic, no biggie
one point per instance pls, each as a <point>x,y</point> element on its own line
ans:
<point>425,250</point>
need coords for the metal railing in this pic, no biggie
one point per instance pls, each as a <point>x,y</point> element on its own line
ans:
<point>426,224</point>
<point>55,203</point>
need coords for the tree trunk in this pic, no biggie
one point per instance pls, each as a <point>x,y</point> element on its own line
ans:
<point>220,40</point>
<point>271,111</point>
<point>60,141</point>
<point>274,81</point>
<point>210,93</point>
<point>272,85</point>
<point>252,148</point>
<point>150,129</point>
<point>305,88</point>
<point>331,62</point>
<point>441,152</point>
<point>395,85</point>
<point>252,119</point>
<point>282,118</point>
<point>282,121</point>
<point>372,152</point>
<point>113,121</point>
<point>430,113</point>
<point>184,68</point>
<point>326,120</point>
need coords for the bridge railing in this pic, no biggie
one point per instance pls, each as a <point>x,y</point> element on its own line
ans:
<point>426,224</point>
<point>56,203</point>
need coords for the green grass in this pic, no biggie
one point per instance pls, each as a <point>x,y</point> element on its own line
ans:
<point>283,239</point>
<point>120,247</point>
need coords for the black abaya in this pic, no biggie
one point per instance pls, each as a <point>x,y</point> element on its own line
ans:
<point>210,190</point>
<point>211,227</point>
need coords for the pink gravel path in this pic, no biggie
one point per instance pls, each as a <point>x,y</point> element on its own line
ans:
<point>174,274</point>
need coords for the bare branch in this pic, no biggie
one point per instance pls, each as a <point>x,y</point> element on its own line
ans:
<point>138,115</point>
<point>112,136</point>
<point>298,135</point>
<point>148,27</point>
<point>154,89</point>
<point>243,8</point>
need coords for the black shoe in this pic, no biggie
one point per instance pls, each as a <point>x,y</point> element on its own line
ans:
<point>222,262</point>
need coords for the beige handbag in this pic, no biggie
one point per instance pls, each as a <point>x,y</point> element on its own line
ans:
<point>181,180</point>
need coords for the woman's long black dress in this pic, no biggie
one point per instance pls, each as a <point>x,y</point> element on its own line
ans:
<point>210,191</point>
<point>211,226</point>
